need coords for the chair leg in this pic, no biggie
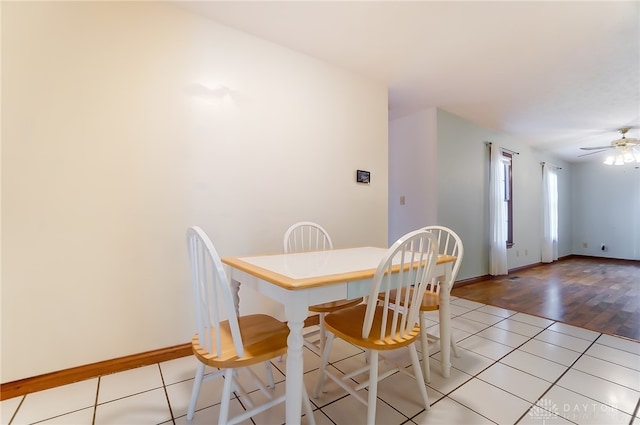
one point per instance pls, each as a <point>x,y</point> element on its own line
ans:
<point>240,392</point>
<point>323,364</point>
<point>454,347</point>
<point>306,403</point>
<point>373,387</point>
<point>197,382</point>
<point>417,372</point>
<point>424,339</point>
<point>323,332</point>
<point>270,382</point>
<point>226,396</point>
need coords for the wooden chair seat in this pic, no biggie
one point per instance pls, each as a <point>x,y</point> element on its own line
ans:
<point>263,336</point>
<point>430,300</point>
<point>347,324</point>
<point>334,305</point>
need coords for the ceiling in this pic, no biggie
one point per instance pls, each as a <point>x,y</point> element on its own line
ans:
<point>559,75</point>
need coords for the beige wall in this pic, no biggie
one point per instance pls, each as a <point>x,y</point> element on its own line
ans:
<point>112,146</point>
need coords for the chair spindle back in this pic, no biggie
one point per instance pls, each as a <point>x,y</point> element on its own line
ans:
<point>414,255</point>
<point>449,243</point>
<point>212,293</point>
<point>306,236</point>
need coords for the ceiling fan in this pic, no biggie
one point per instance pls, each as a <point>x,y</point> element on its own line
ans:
<point>627,149</point>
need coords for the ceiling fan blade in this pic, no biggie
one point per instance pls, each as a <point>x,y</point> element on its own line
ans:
<point>598,147</point>
<point>591,153</point>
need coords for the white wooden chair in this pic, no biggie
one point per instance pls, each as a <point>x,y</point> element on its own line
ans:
<point>379,325</point>
<point>226,341</point>
<point>308,236</point>
<point>449,243</point>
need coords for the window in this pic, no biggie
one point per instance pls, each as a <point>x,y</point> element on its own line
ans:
<point>508,196</point>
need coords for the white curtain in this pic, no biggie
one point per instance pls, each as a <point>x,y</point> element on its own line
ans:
<point>549,213</point>
<point>497,215</point>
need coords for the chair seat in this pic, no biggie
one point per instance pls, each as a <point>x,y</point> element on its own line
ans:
<point>347,324</point>
<point>264,338</point>
<point>430,300</point>
<point>334,305</point>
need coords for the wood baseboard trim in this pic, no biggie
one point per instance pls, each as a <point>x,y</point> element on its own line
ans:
<point>525,267</point>
<point>80,373</point>
<point>75,374</point>
<point>472,280</point>
<point>477,279</point>
<point>621,261</point>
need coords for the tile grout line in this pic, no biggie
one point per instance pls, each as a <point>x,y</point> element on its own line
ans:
<point>555,383</point>
<point>516,348</point>
<point>530,338</point>
<point>17,408</point>
<point>95,403</point>
<point>635,412</point>
<point>446,395</point>
<point>166,394</point>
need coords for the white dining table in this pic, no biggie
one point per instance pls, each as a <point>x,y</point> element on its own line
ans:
<point>303,279</point>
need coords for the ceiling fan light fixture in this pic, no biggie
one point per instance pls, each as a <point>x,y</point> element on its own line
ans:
<point>622,158</point>
<point>628,150</point>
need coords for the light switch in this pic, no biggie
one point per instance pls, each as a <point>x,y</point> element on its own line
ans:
<point>402,200</point>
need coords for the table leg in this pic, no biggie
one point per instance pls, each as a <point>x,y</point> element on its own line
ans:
<point>235,290</point>
<point>295,314</point>
<point>445,332</point>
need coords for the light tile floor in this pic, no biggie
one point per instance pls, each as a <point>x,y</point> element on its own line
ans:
<point>513,368</point>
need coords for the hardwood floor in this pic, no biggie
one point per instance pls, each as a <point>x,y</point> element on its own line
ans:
<point>593,293</point>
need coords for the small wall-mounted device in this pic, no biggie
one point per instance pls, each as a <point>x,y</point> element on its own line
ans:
<point>363,176</point>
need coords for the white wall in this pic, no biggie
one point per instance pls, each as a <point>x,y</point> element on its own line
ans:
<point>606,200</point>
<point>412,151</point>
<point>110,150</point>
<point>461,163</point>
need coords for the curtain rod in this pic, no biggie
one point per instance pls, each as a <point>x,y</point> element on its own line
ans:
<point>555,166</point>
<point>504,149</point>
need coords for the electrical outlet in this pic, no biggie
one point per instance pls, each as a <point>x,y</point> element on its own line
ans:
<point>585,245</point>
<point>402,200</point>
<point>517,253</point>
<point>526,252</point>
